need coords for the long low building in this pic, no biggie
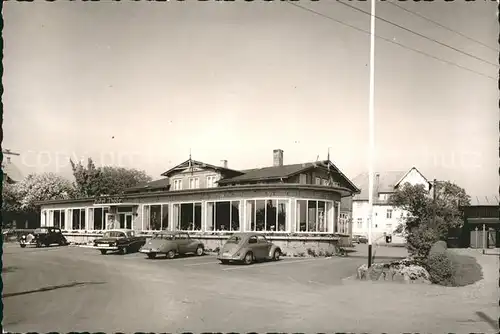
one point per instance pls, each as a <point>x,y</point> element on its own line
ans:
<point>204,199</point>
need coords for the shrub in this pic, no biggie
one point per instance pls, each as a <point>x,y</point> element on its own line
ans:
<point>440,268</point>
<point>465,269</point>
<point>420,240</point>
<point>311,252</point>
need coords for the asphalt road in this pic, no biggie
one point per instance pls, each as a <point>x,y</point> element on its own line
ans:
<point>77,289</point>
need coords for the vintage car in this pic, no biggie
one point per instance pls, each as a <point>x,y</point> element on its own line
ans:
<point>172,243</point>
<point>359,239</point>
<point>119,240</point>
<point>248,248</point>
<point>43,236</point>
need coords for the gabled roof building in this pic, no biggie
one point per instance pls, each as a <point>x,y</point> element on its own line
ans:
<point>195,196</point>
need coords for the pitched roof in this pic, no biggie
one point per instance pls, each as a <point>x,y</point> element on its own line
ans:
<point>386,184</point>
<point>285,171</point>
<point>196,163</point>
<point>484,200</point>
<point>153,185</point>
<point>12,171</point>
<point>268,173</point>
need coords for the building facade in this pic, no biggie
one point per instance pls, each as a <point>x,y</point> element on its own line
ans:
<point>197,197</point>
<point>386,218</point>
<point>481,223</point>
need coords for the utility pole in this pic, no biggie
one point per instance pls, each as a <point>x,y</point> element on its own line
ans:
<point>371,120</point>
<point>434,203</point>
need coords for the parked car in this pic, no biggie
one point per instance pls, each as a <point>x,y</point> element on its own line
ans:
<point>359,239</point>
<point>248,248</point>
<point>171,244</point>
<point>119,240</point>
<point>44,236</point>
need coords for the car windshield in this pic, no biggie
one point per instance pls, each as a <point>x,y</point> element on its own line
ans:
<point>41,230</point>
<point>164,236</point>
<point>113,234</point>
<point>235,239</point>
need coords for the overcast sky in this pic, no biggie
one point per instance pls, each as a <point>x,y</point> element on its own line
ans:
<point>139,84</point>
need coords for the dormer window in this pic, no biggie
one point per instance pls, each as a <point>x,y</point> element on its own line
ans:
<point>211,181</point>
<point>318,181</point>
<point>303,179</point>
<point>194,183</point>
<point>324,182</point>
<point>177,184</point>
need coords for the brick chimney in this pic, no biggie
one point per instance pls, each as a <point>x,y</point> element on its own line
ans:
<point>277,157</point>
<point>223,163</point>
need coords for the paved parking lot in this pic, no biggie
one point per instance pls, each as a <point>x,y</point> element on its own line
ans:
<point>78,289</point>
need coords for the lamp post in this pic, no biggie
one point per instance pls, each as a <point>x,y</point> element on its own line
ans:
<point>371,120</point>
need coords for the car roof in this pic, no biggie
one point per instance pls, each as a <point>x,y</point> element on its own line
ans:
<point>245,235</point>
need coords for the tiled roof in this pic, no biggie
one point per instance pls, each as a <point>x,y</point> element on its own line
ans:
<point>266,173</point>
<point>386,182</point>
<point>484,200</point>
<point>153,185</point>
<point>12,171</point>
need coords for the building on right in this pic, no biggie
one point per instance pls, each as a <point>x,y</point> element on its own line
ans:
<point>386,217</point>
<point>481,228</point>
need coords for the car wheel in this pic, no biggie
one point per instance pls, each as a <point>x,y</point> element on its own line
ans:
<point>103,251</point>
<point>38,245</point>
<point>199,251</point>
<point>276,255</point>
<point>22,245</point>
<point>124,250</point>
<point>224,261</point>
<point>170,254</point>
<point>151,255</point>
<point>248,258</point>
<point>47,244</point>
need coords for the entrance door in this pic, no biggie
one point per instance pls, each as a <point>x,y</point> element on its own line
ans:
<point>126,220</point>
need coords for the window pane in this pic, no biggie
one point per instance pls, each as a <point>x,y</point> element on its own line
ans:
<point>250,218</point>
<point>82,219</point>
<point>177,216</point>
<point>321,217</point>
<point>155,218</point>
<point>187,216</point>
<point>260,215</point>
<point>235,215</point>
<point>197,216</point>
<point>210,216</point>
<point>311,216</point>
<point>98,219</point>
<point>145,219</point>
<point>222,216</point>
<point>63,219</point>
<point>56,218</point>
<point>282,209</point>
<point>328,216</point>
<point>164,218</point>
<point>76,219</point>
<point>301,216</point>
<point>271,215</point>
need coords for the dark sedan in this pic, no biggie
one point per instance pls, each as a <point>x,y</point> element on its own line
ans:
<point>120,240</point>
<point>44,236</point>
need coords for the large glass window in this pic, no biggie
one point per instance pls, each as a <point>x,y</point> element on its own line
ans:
<point>314,216</point>
<point>187,216</point>
<point>99,219</point>
<point>223,216</point>
<point>78,219</point>
<point>59,219</point>
<point>155,217</point>
<point>266,215</point>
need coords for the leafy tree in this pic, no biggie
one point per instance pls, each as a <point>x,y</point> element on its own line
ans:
<point>10,198</point>
<point>41,187</point>
<point>86,179</point>
<point>429,221</point>
<point>92,181</point>
<point>114,180</point>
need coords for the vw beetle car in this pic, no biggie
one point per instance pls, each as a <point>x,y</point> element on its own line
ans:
<point>44,236</point>
<point>171,244</point>
<point>248,248</point>
<point>119,240</point>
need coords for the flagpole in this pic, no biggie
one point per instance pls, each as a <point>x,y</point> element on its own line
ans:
<point>371,120</point>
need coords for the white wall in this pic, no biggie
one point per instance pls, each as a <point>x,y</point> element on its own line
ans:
<point>414,178</point>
